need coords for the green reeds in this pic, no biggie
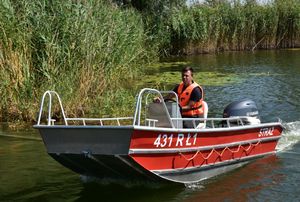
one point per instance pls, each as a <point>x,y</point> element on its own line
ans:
<point>78,48</point>
<point>236,25</point>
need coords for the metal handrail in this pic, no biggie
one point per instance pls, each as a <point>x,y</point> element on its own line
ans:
<point>241,119</point>
<point>137,113</point>
<point>84,120</point>
<point>153,121</point>
<point>50,93</point>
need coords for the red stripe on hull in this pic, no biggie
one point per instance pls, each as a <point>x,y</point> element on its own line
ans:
<point>156,150</point>
<point>162,161</point>
<point>147,139</point>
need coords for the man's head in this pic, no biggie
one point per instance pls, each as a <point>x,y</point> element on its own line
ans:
<point>187,76</point>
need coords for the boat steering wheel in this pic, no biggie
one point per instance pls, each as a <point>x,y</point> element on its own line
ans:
<point>169,100</point>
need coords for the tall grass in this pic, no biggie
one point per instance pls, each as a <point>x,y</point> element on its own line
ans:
<point>78,48</point>
<point>234,25</point>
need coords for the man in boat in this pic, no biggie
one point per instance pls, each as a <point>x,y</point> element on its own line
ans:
<point>190,96</point>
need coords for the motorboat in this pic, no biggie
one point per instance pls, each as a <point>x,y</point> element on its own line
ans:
<point>153,145</point>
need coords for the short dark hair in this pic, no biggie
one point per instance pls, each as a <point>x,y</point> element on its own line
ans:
<point>185,69</point>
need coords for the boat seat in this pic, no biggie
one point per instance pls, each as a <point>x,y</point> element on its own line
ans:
<point>157,111</point>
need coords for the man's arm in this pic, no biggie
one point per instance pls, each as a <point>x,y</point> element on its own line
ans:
<point>166,97</point>
<point>188,107</point>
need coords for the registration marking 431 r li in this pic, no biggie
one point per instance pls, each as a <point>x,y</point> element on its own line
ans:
<point>169,140</point>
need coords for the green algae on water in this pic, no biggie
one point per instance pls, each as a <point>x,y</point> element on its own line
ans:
<point>203,78</point>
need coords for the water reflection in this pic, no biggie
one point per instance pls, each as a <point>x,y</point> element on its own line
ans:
<point>243,184</point>
<point>114,192</point>
<point>29,173</point>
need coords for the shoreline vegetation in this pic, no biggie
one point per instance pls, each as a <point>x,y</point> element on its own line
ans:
<point>92,52</point>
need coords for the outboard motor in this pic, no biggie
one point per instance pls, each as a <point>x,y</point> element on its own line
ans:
<point>243,108</point>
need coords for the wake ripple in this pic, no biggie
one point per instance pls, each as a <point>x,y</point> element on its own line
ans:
<point>290,136</point>
<point>121,182</point>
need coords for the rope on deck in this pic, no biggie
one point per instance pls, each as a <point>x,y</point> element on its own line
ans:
<point>220,154</point>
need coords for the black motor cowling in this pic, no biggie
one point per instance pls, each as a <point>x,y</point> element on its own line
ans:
<point>241,108</point>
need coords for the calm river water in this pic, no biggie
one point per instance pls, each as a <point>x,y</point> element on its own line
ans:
<point>270,78</point>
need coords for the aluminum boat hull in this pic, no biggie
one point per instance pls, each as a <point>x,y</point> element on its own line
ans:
<point>157,154</point>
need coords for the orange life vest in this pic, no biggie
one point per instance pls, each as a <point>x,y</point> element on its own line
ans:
<point>184,99</point>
